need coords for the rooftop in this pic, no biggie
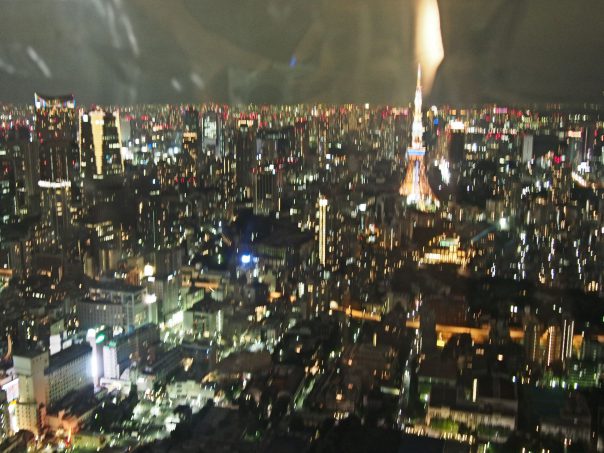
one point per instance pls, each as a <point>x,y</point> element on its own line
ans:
<point>116,285</point>
<point>66,356</point>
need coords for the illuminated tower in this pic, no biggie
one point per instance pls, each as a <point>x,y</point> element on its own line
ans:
<point>415,187</point>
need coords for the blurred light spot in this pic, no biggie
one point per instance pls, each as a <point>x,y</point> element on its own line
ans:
<point>429,44</point>
<point>197,81</point>
<point>100,7</point>
<point>7,67</point>
<point>176,85</point>
<point>112,28</point>
<point>37,59</point>
<point>131,36</point>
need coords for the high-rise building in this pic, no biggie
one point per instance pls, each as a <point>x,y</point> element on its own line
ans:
<point>267,182</point>
<point>29,367</point>
<point>245,155</point>
<point>188,158</point>
<point>210,131</point>
<point>323,230</point>
<point>17,181</point>
<point>55,129</point>
<point>68,371</point>
<point>58,165</point>
<point>100,144</point>
<point>7,187</point>
<point>118,305</point>
<point>527,148</point>
<point>415,187</point>
<point>123,350</point>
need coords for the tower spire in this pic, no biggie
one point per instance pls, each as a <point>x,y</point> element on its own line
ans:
<point>415,186</point>
<point>417,128</point>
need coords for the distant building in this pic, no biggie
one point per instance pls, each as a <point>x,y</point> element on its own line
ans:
<point>323,229</point>
<point>190,392</point>
<point>190,136</point>
<point>366,364</point>
<point>527,148</point>
<point>44,380</point>
<point>100,144</point>
<point>68,371</point>
<point>116,304</point>
<point>267,186</point>
<point>58,164</point>
<point>204,320</point>
<point>245,155</point>
<point>30,366</point>
<point>492,408</point>
<point>134,347</point>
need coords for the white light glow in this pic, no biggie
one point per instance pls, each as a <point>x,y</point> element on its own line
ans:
<point>429,44</point>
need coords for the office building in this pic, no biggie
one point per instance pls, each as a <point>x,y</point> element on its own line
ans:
<point>29,367</point>
<point>100,144</point>
<point>116,304</point>
<point>58,166</point>
<point>68,371</point>
<point>323,230</point>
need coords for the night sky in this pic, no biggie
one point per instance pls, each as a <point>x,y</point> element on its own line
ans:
<point>287,51</point>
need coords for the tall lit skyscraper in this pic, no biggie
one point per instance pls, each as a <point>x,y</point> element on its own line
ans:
<point>58,164</point>
<point>7,186</point>
<point>323,208</point>
<point>190,135</point>
<point>100,144</point>
<point>415,187</point>
<point>55,128</point>
<point>245,155</point>
<point>210,131</point>
<point>267,186</point>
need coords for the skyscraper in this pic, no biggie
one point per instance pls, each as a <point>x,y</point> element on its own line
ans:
<point>323,208</point>
<point>7,186</point>
<point>267,182</point>
<point>30,366</point>
<point>55,121</point>
<point>415,187</point>
<point>188,159</point>
<point>58,164</point>
<point>245,155</point>
<point>325,250</point>
<point>100,144</point>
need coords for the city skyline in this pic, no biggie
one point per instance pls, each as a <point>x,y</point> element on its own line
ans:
<point>285,271</point>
